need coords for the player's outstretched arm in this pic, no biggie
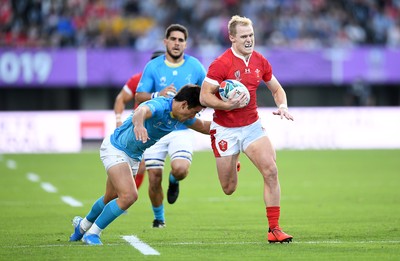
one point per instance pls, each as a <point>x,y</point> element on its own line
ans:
<point>279,95</point>
<point>140,115</point>
<point>201,126</point>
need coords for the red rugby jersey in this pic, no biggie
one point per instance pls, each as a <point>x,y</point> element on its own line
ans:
<point>132,84</point>
<point>250,73</point>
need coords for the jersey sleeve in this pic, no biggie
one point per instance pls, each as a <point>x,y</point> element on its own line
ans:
<point>131,85</point>
<point>189,122</point>
<point>153,106</point>
<point>267,71</point>
<point>216,71</point>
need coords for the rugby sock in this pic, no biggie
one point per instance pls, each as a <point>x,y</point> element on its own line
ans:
<point>139,179</point>
<point>85,225</point>
<point>172,179</point>
<point>159,212</point>
<point>96,210</point>
<point>273,214</point>
<point>110,212</point>
<point>94,230</point>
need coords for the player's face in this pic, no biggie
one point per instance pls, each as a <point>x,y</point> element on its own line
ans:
<point>185,113</point>
<point>243,41</point>
<point>175,45</point>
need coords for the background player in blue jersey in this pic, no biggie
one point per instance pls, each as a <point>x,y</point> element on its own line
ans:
<point>163,76</point>
<point>122,151</point>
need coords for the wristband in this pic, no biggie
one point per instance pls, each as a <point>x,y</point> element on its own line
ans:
<point>118,117</point>
<point>154,95</point>
<point>283,106</point>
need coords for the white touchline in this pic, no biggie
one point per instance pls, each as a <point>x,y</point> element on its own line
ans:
<point>144,248</point>
<point>48,187</point>
<point>71,201</point>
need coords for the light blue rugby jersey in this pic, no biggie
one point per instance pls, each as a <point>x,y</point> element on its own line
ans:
<point>158,125</point>
<point>157,75</point>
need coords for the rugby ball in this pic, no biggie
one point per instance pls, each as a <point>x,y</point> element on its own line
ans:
<point>228,86</point>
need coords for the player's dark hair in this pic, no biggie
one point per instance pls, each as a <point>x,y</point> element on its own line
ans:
<point>176,27</point>
<point>155,54</point>
<point>189,93</point>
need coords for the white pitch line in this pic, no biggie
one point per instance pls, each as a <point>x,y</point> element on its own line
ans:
<point>71,201</point>
<point>144,248</point>
<point>32,177</point>
<point>48,187</point>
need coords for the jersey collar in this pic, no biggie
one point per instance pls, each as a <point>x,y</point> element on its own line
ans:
<point>174,65</point>
<point>242,57</point>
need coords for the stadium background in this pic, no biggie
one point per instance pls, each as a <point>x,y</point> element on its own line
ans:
<point>338,204</point>
<point>70,55</point>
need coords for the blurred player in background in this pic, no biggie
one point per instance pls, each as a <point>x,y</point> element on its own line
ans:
<point>164,76</point>
<point>237,127</point>
<point>121,153</point>
<point>126,95</point>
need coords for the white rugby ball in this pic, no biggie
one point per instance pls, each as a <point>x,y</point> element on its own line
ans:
<point>228,86</point>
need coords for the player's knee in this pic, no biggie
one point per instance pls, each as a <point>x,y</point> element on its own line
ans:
<point>228,191</point>
<point>180,171</point>
<point>155,187</point>
<point>127,199</point>
<point>155,182</point>
<point>180,165</point>
<point>229,188</point>
<point>155,176</point>
<point>271,172</point>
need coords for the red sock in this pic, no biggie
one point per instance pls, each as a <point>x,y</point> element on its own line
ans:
<point>273,214</point>
<point>139,179</point>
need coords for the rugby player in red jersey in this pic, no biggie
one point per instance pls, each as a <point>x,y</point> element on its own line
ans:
<point>237,127</point>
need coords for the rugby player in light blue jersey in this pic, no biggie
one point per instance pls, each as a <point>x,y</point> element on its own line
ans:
<point>163,76</point>
<point>122,151</point>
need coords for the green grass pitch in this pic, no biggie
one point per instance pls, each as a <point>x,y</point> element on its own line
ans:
<point>338,205</point>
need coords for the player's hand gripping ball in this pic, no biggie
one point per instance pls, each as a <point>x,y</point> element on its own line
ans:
<point>228,86</point>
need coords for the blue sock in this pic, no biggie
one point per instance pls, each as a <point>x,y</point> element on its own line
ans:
<point>96,210</point>
<point>110,212</point>
<point>159,212</point>
<point>172,179</point>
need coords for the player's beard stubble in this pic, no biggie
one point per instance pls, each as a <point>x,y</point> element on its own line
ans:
<point>175,57</point>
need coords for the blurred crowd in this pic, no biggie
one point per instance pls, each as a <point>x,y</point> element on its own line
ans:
<point>141,24</point>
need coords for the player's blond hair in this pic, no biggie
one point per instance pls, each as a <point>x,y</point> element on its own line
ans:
<point>238,20</point>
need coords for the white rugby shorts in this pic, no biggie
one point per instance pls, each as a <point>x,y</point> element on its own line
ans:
<point>111,156</point>
<point>230,141</point>
<point>177,144</point>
